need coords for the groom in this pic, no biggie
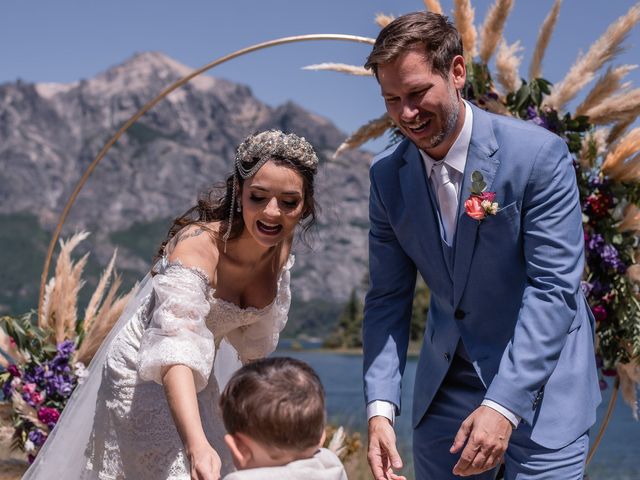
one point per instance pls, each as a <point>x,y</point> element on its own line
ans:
<point>506,370</point>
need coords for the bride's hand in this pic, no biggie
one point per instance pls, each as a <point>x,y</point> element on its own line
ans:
<point>205,462</point>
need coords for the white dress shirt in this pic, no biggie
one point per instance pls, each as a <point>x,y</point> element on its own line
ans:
<point>455,161</point>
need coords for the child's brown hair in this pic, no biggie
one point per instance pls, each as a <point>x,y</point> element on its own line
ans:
<point>277,401</point>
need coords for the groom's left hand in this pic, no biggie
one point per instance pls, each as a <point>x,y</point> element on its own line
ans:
<point>486,433</point>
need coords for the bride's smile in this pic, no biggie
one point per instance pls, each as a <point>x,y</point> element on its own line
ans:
<point>272,203</point>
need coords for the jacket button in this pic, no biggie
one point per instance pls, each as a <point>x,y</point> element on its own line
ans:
<point>447,357</point>
<point>459,314</point>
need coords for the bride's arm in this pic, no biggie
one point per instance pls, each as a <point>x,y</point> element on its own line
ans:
<point>177,349</point>
<point>179,387</point>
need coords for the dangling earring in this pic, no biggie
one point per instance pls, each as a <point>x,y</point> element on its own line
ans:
<point>234,195</point>
<point>239,207</point>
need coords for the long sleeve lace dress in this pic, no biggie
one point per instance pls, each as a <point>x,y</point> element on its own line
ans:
<point>180,322</point>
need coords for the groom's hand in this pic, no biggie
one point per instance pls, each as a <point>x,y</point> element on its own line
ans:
<point>486,433</point>
<point>382,454</point>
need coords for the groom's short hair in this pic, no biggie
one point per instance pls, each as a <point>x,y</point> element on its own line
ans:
<point>278,402</point>
<point>430,33</point>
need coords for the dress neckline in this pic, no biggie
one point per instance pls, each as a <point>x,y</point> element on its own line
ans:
<point>202,275</point>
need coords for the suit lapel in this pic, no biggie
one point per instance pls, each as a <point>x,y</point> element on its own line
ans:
<point>483,158</point>
<point>423,217</point>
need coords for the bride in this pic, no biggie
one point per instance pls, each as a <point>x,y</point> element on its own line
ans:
<point>219,293</point>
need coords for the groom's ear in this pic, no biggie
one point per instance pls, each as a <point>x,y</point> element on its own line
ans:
<point>240,451</point>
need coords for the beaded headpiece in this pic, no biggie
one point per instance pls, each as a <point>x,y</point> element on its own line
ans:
<point>257,149</point>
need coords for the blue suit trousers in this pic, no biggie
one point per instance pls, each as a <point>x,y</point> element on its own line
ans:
<point>459,395</point>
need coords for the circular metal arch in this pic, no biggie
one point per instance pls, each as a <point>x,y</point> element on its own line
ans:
<point>149,105</point>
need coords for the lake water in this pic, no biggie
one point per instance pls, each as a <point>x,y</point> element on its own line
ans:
<point>617,457</point>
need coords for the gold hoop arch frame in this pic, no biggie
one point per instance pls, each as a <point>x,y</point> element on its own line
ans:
<point>152,103</point>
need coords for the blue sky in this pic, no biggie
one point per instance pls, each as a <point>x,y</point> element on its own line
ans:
<point>66,40</point>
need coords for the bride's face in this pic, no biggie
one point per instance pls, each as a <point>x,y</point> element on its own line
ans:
<point>272,203</point>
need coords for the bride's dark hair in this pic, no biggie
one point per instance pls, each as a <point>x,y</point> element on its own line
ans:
<point>218,204</point>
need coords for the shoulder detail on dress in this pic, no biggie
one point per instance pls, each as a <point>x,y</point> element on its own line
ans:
<point>290,261</point>
<point>197,271</point>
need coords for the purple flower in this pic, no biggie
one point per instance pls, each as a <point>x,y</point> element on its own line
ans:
<point>66,348</point>
<point>595,243</point>
<point>34,375</point>
<point>609,256</point>
<point>60,384</point>
<point>603,384</point>
<point>59,364</point>
<point>534,117</point>
<point>37,437</point>
<point>599,289</point>
<point>7,390</point>
<point>597,182</point>
<point>586,288</point>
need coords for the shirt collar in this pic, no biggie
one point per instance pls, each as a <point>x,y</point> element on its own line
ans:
<point>456,157</point>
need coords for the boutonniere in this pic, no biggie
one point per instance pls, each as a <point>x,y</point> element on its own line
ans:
<point>480,203</point>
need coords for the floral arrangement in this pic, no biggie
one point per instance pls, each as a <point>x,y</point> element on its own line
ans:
<point>480,203</point>
<point>607,158</point>
<point>43,359</point>
<point>39,387</point>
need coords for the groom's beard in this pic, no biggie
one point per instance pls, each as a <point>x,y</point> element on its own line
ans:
<point>451,112</point>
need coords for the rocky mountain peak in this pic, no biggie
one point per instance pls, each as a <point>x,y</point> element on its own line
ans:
<point>50,132</point>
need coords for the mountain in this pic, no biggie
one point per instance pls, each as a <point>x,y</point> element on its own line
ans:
<point>50,133</point>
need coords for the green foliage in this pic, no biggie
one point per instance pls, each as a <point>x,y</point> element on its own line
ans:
<point>315,317</point>
<point>27,335</point>
<point>143,239</point>
<point>348,333</point>
<point>420,308</point>
<point>611,294</point>
<point>23,246</point>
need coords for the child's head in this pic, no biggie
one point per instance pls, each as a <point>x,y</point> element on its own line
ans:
<point>274,413</point>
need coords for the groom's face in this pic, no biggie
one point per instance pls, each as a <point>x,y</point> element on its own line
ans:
<point>425,106</point>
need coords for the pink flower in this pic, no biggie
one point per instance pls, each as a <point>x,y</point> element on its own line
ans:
<point>489,196</point>
<point>48,415</point>
<point>473,207</point>
<point>29,388</point>
<point>37,398</point>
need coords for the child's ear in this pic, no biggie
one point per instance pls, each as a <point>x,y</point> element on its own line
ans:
<point>322,438</point>
<point>240,451</point>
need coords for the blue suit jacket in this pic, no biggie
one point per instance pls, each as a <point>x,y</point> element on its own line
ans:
<point>513,295</point>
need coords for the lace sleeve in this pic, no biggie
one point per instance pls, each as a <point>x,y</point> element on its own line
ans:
<point>177,333</point>
<point>259,339</point>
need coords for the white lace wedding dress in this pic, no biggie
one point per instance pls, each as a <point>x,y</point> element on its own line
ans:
<point>180,321</point>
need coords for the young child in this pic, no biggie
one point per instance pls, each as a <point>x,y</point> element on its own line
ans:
<point>274,413</point>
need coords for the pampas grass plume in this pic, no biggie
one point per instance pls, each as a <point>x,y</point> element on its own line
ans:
<point>383,20</point>
<point>373,129</point>
<point>507,64</point>
<point>340,67</point>
<point>464,14</point>
<point>492,28</point>
<point>586,66</point>
<point>546,30</point>
<point>433,6</point>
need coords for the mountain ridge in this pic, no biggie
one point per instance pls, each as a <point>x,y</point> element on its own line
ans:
<point>50,132</point>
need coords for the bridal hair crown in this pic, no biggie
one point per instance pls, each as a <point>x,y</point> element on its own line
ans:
<point>274,144</point>
<point>261,148</point>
